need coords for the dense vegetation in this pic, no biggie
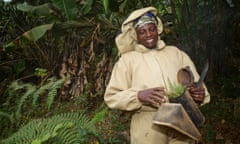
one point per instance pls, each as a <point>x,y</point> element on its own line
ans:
<point>56,58</point>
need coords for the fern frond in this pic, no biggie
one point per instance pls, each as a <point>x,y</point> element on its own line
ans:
<point>51,95</point>
<point>37,94</point>
<point>14,88</point>
<point>24,94</point>
<point>53,91</point>
<point>30,89</point>
<point>60,129</point>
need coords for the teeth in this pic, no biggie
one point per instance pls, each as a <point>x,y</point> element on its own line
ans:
<point>150,40</point>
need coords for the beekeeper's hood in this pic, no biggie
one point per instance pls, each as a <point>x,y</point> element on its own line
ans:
<point>127,40</point>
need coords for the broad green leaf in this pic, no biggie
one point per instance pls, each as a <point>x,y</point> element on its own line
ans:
<point>68,7</point>
<point>32,35</point>
<point>40,10</point>
<point>37,32</point>
<point>106,7</point>
<point>25,7</point>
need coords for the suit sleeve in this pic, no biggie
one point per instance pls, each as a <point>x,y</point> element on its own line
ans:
<point>119,93</point>
<point>187,61</point>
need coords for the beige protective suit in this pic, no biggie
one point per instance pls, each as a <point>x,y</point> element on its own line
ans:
<point>140,68</point>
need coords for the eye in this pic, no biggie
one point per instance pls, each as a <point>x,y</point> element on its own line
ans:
<point>141,32</point>
<point>152,29</point>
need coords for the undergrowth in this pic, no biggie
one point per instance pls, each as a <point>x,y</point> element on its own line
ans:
<point>24,99</point>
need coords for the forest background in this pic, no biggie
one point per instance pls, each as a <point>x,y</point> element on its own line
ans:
<point>56,58</point>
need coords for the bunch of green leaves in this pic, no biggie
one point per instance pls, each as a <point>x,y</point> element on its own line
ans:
<point>175,89</point>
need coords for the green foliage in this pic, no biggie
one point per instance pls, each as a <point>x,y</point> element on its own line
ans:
<point>12,69</point>
<point>6,115</point>
<point>41,72</point>
<point>59,129</point>
<point>220,110</point>
<point>28,93</point>
<point>220,116</point>
<point>37,32</point>
<point>100,115</point>
<point>40,10</point>
<point>19,67</point>
<point>191,25</point>
<point>175,90</point>
<point>87,7</point>
<point>106,6</point>
<point>32,35</point>
<point>68,7</point>
<point>210,133</point>
<point>112,6</point>
<point>230,84</point>
<point>115,127</point>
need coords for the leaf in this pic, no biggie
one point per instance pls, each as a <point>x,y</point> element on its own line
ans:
<point>123,5</point>
<point>19,67</point>
<point>175,90</point>
<point>32,35</point>
<point>106,7</point>
<point>29,91</point>
<point>37,32</point>
<point>5,114</point>
<point>68,7</point>
<point>100,115</point>
<point>25,7</point>
<point>41,72</point>
<point>86,8</point>
<point>40,10</point>
<point>51,95</point>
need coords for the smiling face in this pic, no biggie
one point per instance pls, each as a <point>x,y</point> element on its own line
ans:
<point>147,35</point>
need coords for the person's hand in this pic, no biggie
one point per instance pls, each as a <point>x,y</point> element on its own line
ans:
<point>197,93</point>
<point>152,96</point>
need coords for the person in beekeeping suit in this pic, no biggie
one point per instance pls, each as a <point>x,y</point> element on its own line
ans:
<point>140,77</point>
